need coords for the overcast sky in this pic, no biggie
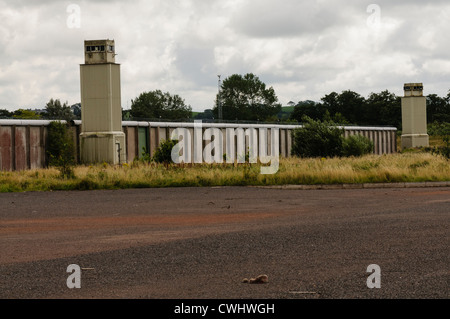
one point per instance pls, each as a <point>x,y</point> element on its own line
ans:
<point>303,49</point>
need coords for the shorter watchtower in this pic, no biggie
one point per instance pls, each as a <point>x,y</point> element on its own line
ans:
<point>414,117</point>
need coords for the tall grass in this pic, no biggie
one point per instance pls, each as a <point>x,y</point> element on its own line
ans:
<point>406,167</point>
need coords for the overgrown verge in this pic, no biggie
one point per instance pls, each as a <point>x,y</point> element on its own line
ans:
<point>350,166</point>
<point>408,167</point>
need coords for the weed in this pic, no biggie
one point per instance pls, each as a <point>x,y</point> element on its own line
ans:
<point>405,167</point>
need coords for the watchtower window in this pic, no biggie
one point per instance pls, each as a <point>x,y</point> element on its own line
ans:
<point>95,48</point>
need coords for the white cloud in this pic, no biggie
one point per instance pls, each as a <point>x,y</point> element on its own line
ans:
<point>304,49</point>
<point>438,67</point>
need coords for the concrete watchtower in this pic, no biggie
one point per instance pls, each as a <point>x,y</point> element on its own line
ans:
<point>414,117</point>
<point>101,138</point>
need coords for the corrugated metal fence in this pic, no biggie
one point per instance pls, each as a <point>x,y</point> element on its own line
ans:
<point>23,142</point>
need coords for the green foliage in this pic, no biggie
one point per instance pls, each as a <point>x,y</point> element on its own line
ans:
<point>76,110</point>
<point>350,107</point>
<point>383,108</point>
<point>439,129</point>
<point>337,118</point>
<point>246,98</point>
<point>357,145</point>
<point>126,115</point>
<point>26,115</point>
<point>308,108</point>
<point>438,108</point>
<point>57,111</point>
<point>285,114</point>
<point>317,139</point>
<point>420,164</point>
<point>445,150</point>
<point>206,115</point>
<point>145,156</point>
<point>325,139</point>
<point>5,114</point>
<point>442,130</point>
<point>408,167</point>
<point>60,149</point>
<point>163,154</point>
<point>159,105</point>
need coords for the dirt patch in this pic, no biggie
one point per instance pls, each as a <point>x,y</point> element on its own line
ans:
<point>29,226</point>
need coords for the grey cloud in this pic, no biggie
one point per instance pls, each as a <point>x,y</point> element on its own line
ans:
<point>304,49</point>
<point>290,18</point>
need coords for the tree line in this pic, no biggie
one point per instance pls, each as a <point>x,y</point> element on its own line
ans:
<point>54,110</point>
<point>247,98</point>
<point>382,109</point>
<point>242,98</point>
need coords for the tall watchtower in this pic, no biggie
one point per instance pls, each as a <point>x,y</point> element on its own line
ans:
<point>101,138</point>
<point>414,117</point>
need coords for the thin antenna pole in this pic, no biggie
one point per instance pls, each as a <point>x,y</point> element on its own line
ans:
<point>219,105</point>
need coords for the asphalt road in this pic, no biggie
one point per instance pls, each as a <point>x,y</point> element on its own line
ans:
<point>195,243</point>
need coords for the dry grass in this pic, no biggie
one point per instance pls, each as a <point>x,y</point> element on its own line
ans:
<point>406,167</point>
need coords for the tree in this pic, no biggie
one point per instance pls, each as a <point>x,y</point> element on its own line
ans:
<point>330,102</point>
<point>26,114</point>
<point>206,115</point>
<point>60,149</point>
<point>438,108</point>
<point>246,98</point>
<point>126,115</point>
<point>5,114</point>
<point>351,106</point>
<point>317,139</point>
<point>309,108</point>
<point>337,118</point>
<point>291,103</point>
<point>159,105</point>
<point>383,108</point>
<point>76,110</point>
<point>57,111</point>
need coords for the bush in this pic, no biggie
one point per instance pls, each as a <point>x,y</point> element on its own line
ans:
<point>445,149</point>
<point>317,139</point>
<point>357,145</point>
<point>442,130</point>
<point>163,154</point>
<point>60,151</point>
<point>439,129</point>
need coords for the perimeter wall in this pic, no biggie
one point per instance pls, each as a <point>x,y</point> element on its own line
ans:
<point>23,142</point>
